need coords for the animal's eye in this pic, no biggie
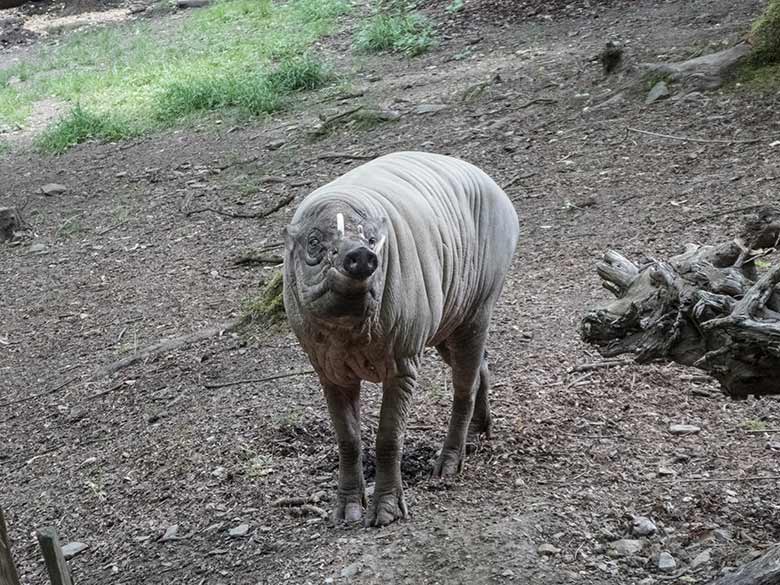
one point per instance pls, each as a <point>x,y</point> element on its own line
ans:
<point>371,242</point>
<point>314,242</point>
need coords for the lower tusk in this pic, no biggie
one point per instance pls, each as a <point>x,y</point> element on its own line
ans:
<point>340,223</point>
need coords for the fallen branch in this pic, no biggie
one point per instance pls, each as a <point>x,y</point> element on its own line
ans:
<point>727,212</point>
<point>46,393</point>
<point>529,103</point>
<point>258,215</point>
<point>258,380</point>
<point>517,178</point>
<point>702,140</point>
<point>600,365</point>
<point>345,156</point>
<point>167,345</point>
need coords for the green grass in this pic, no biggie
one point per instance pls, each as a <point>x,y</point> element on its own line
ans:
<point>80,125</point>
<point>243,54</point>
<point>760,78</point>
<point>404,32</point>
<point>765,35</point>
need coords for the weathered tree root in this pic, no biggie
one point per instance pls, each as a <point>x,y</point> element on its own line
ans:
<point>765,570</point>
<point>705,72</point>
<point>708,308</point>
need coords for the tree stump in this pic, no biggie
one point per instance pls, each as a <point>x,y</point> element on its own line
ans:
<point>716,308</point>
<point>9,223</point>
<point>765,570</point>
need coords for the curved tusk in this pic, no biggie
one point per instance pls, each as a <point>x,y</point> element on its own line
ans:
<point>340,223</point>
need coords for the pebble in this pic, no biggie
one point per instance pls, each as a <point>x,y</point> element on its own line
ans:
<point>684,429</point>
<point>660,90</point>
<point>703,558</point>
<point>170,533</point>
<point>239,531</point>
<point>547,549</point>
<point>276,144</point>
<point>666,562</point>
<point>429,108</point>
<point>626,547</point>
<point>50,189</point>
<point>643,526</point>
<point>220,473</point>
<point>71,549</point>
<point>38,249</point>
<point>350,570</point>
<point>647,581</point>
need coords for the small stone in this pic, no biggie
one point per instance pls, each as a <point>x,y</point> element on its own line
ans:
<point>626,547</point>
<point>50,189</point>
<point>684,429</point>
<point>547,549</point>
<point>508,573</point>
<point>71,549</point>
<point>429,108</point>
<point>664,471</point>
<point>666,562</point>
<point>350,570</point>
<point>703,558</point>
<point>192,3</point>
<point>660,90</point>
<point>642,526</point>
<point>220,473</point>
<point>170,533</point>
<point>519,482</point>
<point>647,581</point>
<point>276,144</point>
<point>38,249</point>
<point>239,531</point>
<point>722,535</point>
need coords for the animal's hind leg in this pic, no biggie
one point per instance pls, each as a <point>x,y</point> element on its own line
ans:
<point>480,420</point>
<point>464,351</point>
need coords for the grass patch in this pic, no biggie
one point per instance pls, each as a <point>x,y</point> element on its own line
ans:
<point>760,77</point>
<point>268,307</point>
<point>765,36</point>
<point>81,125</point>
<point>401,32</point>
<point>244,54</point>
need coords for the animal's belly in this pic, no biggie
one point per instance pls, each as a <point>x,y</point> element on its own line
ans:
<point>345,364</point>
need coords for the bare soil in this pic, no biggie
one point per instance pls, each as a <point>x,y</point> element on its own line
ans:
<point>115,264</point>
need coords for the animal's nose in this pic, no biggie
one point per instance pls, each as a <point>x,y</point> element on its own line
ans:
<point>360,263</point>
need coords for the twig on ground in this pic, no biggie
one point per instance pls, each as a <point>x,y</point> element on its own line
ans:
<point>290,502</point>
<point>244,161</point>
<point>726,212</point>
<point>517,178</point>
<point>755,432</point>
<point>167,345</point>
<point>110,228</point>
<point>702,140</point>
<point>600,365</point>
<point>258,380</point>
<point>540,100</point>
<point>724,479</point>
<point>258,215</point>
<point>39,394</point>
<point>345,156</point>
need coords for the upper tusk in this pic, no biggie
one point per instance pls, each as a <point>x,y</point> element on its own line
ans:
<point>340,223</point>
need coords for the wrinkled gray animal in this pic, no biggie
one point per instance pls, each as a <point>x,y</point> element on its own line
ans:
<point>407,251</point>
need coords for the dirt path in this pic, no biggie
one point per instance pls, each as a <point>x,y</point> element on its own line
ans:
<point>115,462</point>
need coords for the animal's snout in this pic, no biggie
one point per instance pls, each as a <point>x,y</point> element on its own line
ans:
<point>360,263</point>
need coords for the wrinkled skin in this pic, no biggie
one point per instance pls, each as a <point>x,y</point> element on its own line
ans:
<point>407,251</point>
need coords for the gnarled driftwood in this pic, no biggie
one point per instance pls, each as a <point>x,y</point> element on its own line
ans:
<point>710,307</point>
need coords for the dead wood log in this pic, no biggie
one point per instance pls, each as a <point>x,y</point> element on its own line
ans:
<point>705,72</point>
<point>709,307</point>
<point>10,221</point>
<point>765,570</point>
<point>8,575</point>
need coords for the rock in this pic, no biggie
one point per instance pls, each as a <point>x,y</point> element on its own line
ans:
<point>666,562</point>
<point>276,144</point>
<point>642,526</point>
<point>51,189</point>
<point>71,549</point>
<point>9,223</point>
<point>350,570</point>
<point>239,531</point>
<point>647,581</point>
<point>220,473</point>
<point>660,90</point>
<point>722,535</point>
<point>547,550</point>
<point>684,429</point>
<point>625,547</point>
<point>703,558</point>
<point>38,249</point>
<point>429,108</point>
<point>170,533</point>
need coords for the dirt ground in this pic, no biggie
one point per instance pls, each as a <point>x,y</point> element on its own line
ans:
<point>115,263</point>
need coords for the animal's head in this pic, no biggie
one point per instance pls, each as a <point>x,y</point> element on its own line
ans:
<point>336,256</point>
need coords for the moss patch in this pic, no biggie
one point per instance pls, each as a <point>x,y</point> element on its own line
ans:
<point>766,35</point>
<point>268,307</point>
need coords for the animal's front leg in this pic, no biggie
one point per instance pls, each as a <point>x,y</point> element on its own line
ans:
<point>387,504</point>
<point>344,408</point>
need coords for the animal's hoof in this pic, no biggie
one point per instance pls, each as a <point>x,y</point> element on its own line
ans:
<point>450,464</point>
<point>386,509</point>
<point>480,428</point>
<point>349,509</point>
